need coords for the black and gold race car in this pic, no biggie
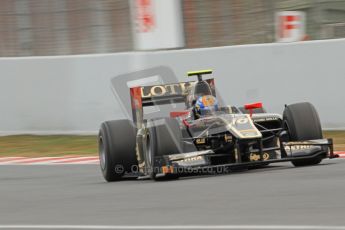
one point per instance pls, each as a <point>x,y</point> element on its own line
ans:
<point>226,138</point>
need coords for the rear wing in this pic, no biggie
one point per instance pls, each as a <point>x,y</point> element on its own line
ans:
<point>142,96</point>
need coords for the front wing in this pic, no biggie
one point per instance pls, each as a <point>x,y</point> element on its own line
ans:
<point>199,161</point>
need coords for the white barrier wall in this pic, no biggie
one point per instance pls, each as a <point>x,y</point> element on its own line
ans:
<point>72,94</point>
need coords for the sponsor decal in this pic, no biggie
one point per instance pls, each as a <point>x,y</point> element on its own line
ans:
<point>249,133</point>
<point>228,138</point>
<point>182,156</point>
<point>242,120</point>
<point>298,147</point>
<point>192,161</point>
<point>238,121</point>
<point>266,119</point>
<point>167,169</point>
<point>266,156</point>
<point>242,127</point>
<point>297,143</point>
<point>256,156</point>
<point>208,101</point>
<point>182,88</point>
<point>165,90</point>
<point>200,141</point>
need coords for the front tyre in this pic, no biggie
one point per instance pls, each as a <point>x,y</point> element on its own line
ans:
<point>116,147</point>
<point>303,123</point>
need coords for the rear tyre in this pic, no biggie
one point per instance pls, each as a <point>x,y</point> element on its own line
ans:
<point>164,138</point>
<point>116,147</point>
<point>303,123</point>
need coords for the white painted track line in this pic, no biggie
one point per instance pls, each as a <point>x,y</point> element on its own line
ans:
<point>341,154</point>
<point>167,227</point>
<point>49,160</point>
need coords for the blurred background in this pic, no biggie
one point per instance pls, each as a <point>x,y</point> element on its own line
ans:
<point>260,53</point>
<point>67,27</point>
<point>255,47</point>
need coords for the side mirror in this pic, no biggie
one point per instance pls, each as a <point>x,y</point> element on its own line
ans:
<point>252,106</point>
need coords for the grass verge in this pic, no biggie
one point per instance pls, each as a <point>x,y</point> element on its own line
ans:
<point>338,139</point>
<point>58,145</point>
<point>48,146</point>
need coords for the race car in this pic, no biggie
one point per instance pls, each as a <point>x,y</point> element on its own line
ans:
<point>218,139</point>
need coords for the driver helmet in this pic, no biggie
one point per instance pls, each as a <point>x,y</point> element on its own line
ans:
<point>206,105</point>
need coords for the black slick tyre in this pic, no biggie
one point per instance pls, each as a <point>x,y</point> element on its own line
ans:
<point>116,145</point>
<point>303,123</point>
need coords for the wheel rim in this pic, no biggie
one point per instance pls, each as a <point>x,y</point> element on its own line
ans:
<point>149,150</point>
<point>287,129</point>
<point>101,153</point>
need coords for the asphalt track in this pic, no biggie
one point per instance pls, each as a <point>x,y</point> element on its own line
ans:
<point>77,195</point>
